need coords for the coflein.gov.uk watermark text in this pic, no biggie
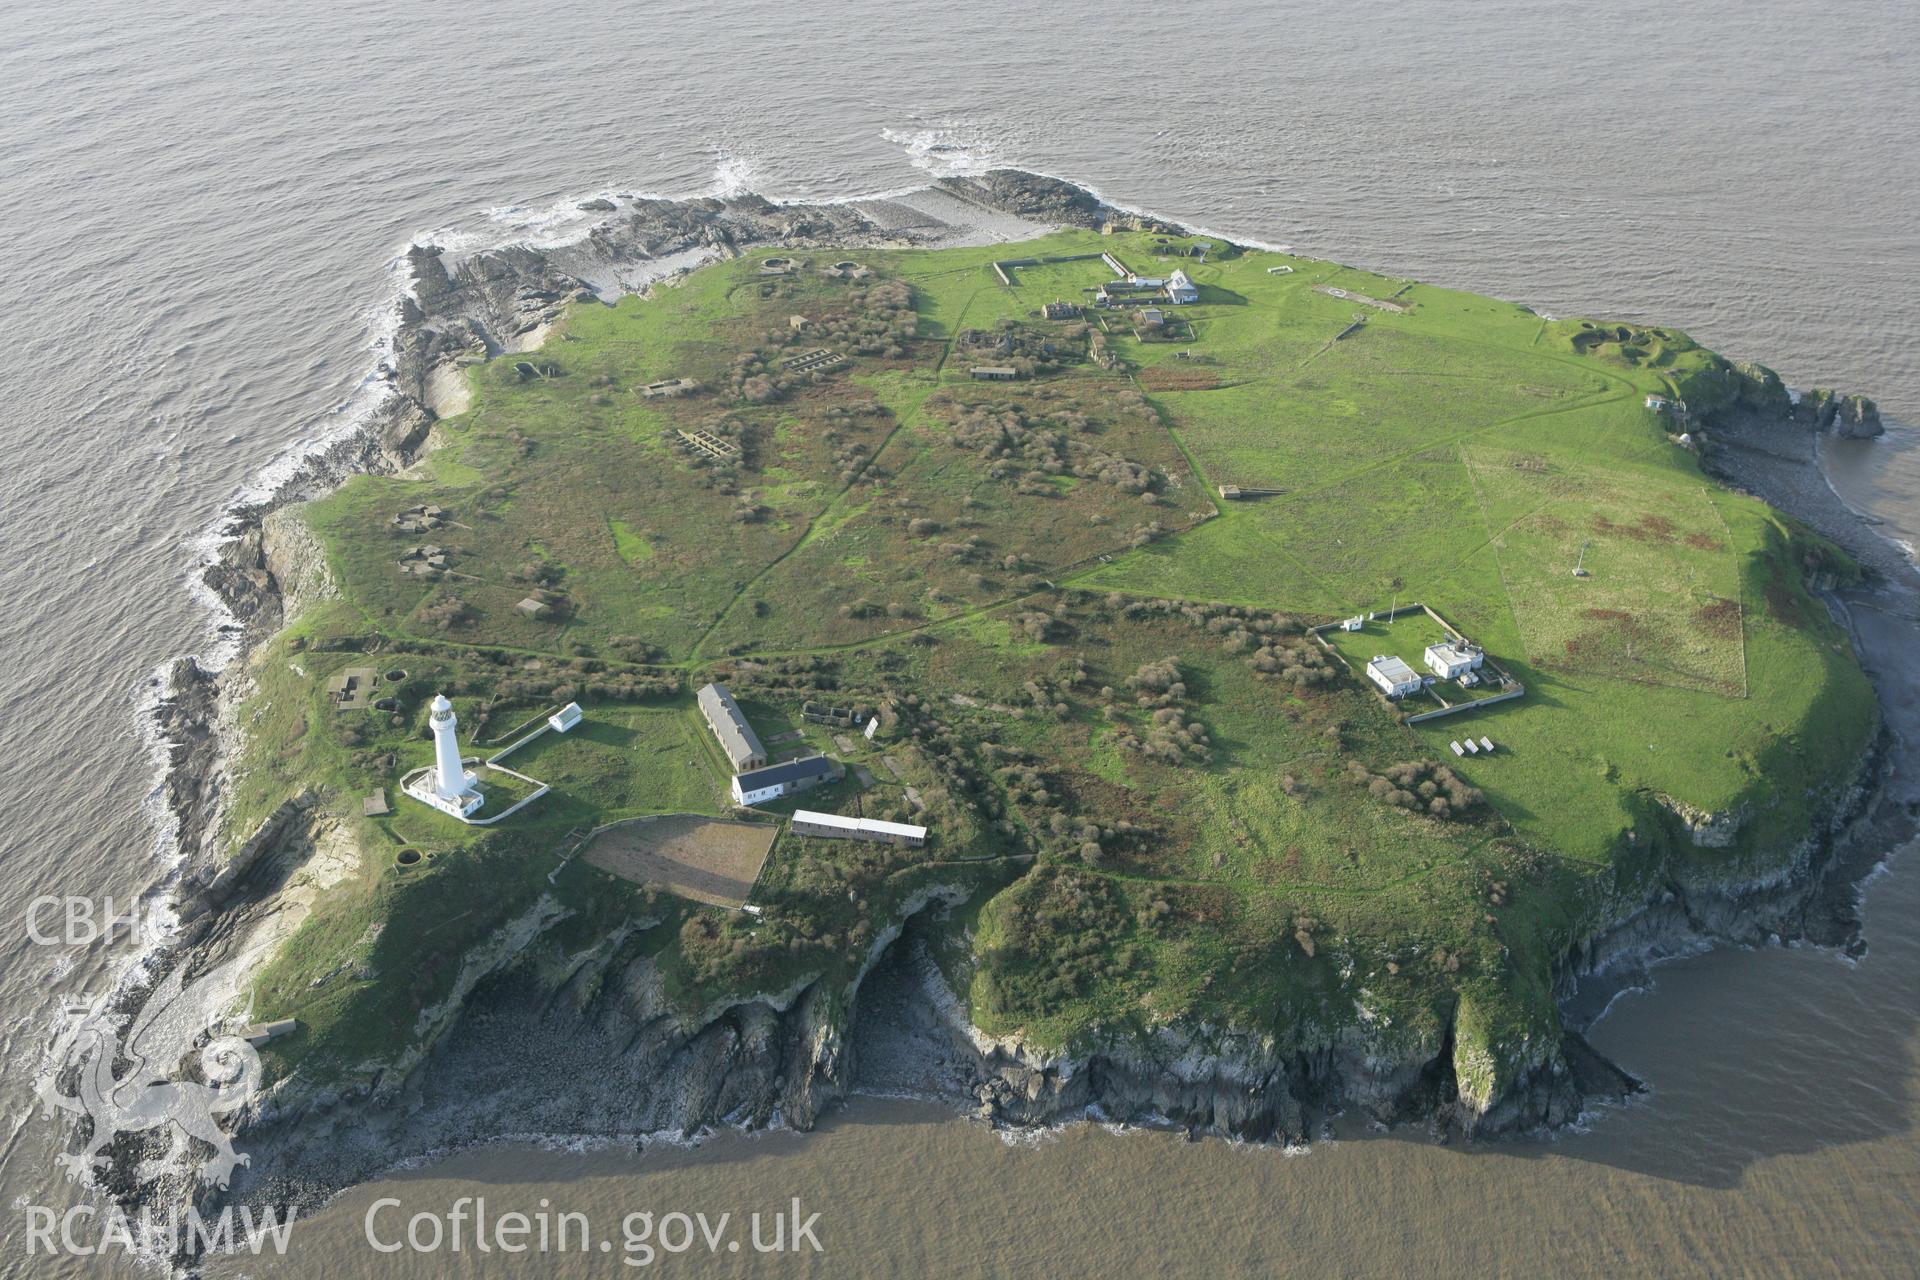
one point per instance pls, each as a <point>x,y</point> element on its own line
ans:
<point>468,1225</point>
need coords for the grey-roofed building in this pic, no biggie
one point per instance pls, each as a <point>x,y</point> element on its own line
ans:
<point>730,726</point>
<point>756,785</point>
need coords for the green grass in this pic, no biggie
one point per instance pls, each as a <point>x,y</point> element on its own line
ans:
<point>631,759</point>
<point>996,594</point>
<point>633,548</point>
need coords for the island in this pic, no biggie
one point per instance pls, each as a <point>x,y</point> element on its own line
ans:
<point>1256,686</point>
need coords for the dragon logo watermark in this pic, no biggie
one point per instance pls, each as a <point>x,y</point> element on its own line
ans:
<point>133,1084</point>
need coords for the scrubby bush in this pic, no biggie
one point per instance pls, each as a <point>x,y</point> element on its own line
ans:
<point>1420,786</point>
<point>1063,934</point>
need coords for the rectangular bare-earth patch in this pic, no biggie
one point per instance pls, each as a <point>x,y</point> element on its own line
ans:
<point>709,860</point>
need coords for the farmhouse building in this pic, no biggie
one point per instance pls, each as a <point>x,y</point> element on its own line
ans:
<point>1394,677</point>
<point>565,718</point>
<point>1452,659</point>
<point>1181,290</point>
<point>730,726</point>
<point>756,786</point>
<point>832,826</point>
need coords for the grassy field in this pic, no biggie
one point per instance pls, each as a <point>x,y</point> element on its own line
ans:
<point>1091,673</point>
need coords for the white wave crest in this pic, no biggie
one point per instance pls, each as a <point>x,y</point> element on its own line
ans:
<point>732,176</point>
<point>955,151</point>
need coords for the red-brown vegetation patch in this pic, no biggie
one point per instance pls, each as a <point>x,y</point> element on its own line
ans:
<point>1719,618</point>
<point>1648,528</point>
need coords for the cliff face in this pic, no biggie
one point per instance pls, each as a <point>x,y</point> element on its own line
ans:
<point>1463,1078</point>
<point>537,1038</point>
<point>1747,388</point>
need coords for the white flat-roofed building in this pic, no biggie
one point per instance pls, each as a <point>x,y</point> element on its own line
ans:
<point>1450,660</point>
<point>1393,676</point>
<point>834,826</point>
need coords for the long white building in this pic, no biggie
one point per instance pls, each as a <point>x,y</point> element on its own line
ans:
<point>834,826</point>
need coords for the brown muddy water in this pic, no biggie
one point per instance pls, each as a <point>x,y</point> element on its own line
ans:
<point>199,218</point>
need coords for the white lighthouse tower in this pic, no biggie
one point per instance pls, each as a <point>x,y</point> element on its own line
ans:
<point>448,786</point>
<point>451,781</point>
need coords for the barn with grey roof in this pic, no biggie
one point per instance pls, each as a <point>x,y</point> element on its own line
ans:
<point>730,726</point>
<point>753,786</point>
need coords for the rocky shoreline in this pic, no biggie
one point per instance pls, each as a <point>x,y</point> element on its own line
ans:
<point>534,1013</point>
